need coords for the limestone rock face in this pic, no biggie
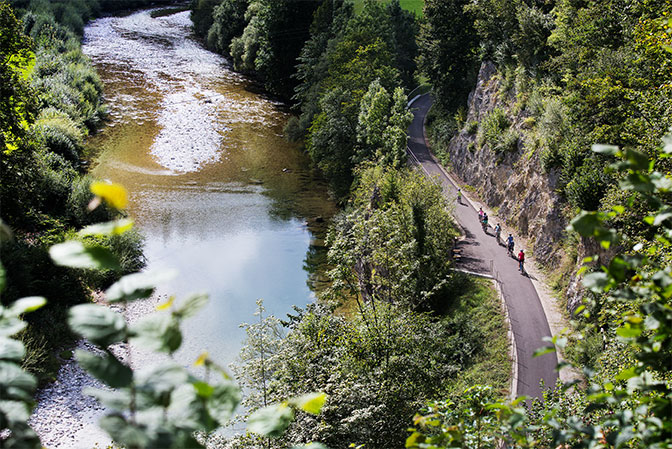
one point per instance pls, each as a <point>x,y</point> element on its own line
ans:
<point>512,182</point>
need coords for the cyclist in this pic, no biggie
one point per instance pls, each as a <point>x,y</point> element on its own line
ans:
<point>459,196</point>
<point>498,232</point>
<point>480,214</point>
<point>484,222</point>
<point>521,261</point>
<point>509,244</point>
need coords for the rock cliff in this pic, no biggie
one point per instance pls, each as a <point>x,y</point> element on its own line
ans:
<point>511,180</point>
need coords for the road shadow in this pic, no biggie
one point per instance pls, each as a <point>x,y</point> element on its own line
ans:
<point>469,238</point>
<point>466,259</point>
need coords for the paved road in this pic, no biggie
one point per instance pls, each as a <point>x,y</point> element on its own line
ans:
<point>481,253</point>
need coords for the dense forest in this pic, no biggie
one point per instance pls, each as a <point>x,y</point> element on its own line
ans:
<point>399,339</point>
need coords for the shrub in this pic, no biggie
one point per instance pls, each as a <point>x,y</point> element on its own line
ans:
<point>495,132</point>
<point>460,117</point>
<point>471,127</point>
<point>78,213</point>
<point>536,103</point>
<point>508,141</point>
<point>588,186</point>
<point>59,133</point>
<point>127,247</point>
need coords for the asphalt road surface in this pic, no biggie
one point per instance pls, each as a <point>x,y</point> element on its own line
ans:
<point>479,252</point>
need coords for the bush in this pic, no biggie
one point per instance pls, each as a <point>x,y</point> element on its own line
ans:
<point>507,142</point>
<point>127,247</point>
<point>495,132</point>
<point>588,186</point>
<point>471,127</point>
<point>59,133</point>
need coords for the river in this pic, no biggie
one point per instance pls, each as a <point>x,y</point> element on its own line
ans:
<point>217,191</point>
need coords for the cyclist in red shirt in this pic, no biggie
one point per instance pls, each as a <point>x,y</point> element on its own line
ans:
<point>521,261</point>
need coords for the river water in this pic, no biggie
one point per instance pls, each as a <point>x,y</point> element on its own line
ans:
<point>216,190</point>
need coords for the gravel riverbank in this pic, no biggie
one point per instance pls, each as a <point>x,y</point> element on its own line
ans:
<point>66,418</point>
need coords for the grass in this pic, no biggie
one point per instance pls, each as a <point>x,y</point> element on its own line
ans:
<point>479,302</point>
<point>415,6</point>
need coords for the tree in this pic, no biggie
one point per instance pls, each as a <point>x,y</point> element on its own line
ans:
<point>272,40</point>
<point>382,127</point>
<point>228,22</point>
<point>202,15</point>
<point>393,244</point>
<point>405,30</point>
<point>395,136</point>
<point>312,68</point>
<point>372,121</point>
<point>331,140</point>
<point>448,50</point>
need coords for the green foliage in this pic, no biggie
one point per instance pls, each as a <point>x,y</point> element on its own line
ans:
<point>441,127</point>
<point>16,386</point>
<point>272,40</point>
<point>495,131</point>
<point>16,103</point>
<point>202,15</point>
<point>329,21</point>
<point>448,44</point>
<point>381,127</point>
<point>513,31</point>
<point>394,243</point>
<point>59,133</point>
<point>374,367</point>
<point>337,66</point>
<point>588,187</point>
<point>405,29</point>
<point>331,140</point>
<point>228,22</point>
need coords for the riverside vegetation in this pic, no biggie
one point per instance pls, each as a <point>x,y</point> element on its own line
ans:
<point>391,260</point>
<point>51,101</point>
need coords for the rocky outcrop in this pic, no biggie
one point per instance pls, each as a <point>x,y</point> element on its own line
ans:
<point>511,182</point>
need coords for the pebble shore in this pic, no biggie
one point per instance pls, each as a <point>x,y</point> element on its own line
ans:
<point>65,418</point>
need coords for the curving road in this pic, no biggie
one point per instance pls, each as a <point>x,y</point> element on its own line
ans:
<point>479,252</point>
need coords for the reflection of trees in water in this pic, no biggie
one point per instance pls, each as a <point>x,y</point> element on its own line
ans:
<point>303,196</point>
<point>315,264</point>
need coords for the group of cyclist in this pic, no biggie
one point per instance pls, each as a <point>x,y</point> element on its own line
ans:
<point>483,218</point>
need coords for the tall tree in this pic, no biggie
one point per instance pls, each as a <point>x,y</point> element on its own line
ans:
<point>329,22</point>
<point>448,50</point>
<point>272,40</point>
<point>381,128</point>
<point>228,22</point>
<point>405,30</point>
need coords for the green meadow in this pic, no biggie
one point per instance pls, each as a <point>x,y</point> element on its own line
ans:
<point>414,6</point>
